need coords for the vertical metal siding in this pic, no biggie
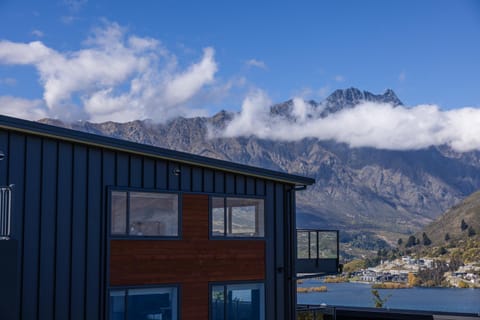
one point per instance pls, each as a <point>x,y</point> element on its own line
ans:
<point>47,229</point>
<point>185,177</point>
<point>229,183</point>
<point>260,187</point>
<point>208,180</point>
<point>250,186</point>
<point>239,184</point>
<point>122,173</point>
<point>79,215</point>
<point>161,181</point>
<point>16,174</point>
<point>136,174</point>
<point>94,233</point>
<point>64,231</point>
<point>197,179</point>
<point>32,228</point>
<point>173,178</point>
<point>271,274</point>
<point>148,173</point>
<point>219,182</point>
<point>4,163</point>
<point>60,219</point>
<point>280,251</point>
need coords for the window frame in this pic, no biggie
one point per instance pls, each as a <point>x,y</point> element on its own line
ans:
<point>225,285</point>
<point>175,286</point>
<point>128,236</point>
<point>225,235</point>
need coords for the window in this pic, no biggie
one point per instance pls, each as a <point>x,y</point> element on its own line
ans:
<point>243,302</point>
<point>144,214</point>
<point>148,303</point>
<point>237,217</point>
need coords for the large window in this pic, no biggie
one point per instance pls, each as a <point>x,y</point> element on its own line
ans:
<point>237,301</point>
<point>237,217</point>
<point>148,303</point>
<point>144,214</point>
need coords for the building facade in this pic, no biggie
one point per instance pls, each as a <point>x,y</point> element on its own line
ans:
<point>101,228</point>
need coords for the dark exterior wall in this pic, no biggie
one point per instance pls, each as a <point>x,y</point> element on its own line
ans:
<point>59,219</point>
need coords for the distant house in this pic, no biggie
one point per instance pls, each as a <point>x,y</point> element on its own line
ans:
<point>99,228</point>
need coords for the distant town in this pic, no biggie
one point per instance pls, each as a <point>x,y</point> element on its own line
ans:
<point>407,272</point>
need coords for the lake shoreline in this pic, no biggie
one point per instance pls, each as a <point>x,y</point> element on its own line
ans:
<point>351,294</point>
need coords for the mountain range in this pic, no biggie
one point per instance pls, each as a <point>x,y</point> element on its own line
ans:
<point>382,193</point>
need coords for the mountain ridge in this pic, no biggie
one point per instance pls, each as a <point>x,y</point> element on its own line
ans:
<point>358,189</point>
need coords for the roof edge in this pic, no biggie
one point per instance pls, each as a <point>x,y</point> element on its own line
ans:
<point>71,135</point>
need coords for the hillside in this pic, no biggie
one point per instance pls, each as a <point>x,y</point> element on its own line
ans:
<point>381,193</point>
<point>453,235</point>
<point>450,223</point>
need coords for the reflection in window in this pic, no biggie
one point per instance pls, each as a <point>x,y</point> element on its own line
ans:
<point>119,212</point>
<point>151,303</point>
<point>238,301</point>
<point>237,217</point>
<point>147,213</point>
<point>317,244</point>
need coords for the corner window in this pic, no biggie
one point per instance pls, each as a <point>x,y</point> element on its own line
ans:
<point>149,303</point>
<point>144,214</point>
<point>237,217</point>
<point>237,301</point>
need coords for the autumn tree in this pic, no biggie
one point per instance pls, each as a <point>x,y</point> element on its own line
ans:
<point>412,279</point>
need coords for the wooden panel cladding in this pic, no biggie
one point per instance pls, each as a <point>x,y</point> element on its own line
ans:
<point>137,262</point>
<point>192,259</point>
<point>192,262</point>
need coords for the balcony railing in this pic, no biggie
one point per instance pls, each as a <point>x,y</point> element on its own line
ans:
<point>317,252</point>
<point>5,212</point>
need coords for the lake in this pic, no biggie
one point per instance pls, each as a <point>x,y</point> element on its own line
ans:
<point>359,295</point>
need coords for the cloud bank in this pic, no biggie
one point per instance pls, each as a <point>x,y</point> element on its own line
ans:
<point>115,77</point>
<point>381,126</point>
<point>120,77</point>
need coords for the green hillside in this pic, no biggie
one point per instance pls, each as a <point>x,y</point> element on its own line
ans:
<point>454,233</point>
<point>449,226</point>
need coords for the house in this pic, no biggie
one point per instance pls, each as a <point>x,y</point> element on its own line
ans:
<point>101,228</point>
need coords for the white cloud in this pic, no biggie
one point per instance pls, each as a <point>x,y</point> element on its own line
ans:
<point>256,64</point>
<point>339,78</point>
<point>367,125</point>
<point>22,108</point>
<point>37,33</point>
<point>402,76</point>
<point>115,76</point>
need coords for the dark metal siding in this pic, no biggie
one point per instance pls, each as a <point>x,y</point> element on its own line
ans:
<point>59,218</point>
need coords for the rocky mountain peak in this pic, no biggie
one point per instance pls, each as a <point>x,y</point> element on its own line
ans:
<point>348,98</point>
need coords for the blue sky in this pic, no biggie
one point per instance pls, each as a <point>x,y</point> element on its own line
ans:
<point>426,51</point>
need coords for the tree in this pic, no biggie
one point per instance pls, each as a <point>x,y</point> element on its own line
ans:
<point>400,241</point>
<point>412,280</point>
<point>456,262</point>
<point>378,300</point>
<point>463,225</point>
<point>447,237</point>
<point>471,231</point>
<point>426,240</point>
<point>411,241</point>
<point>442,251</point>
